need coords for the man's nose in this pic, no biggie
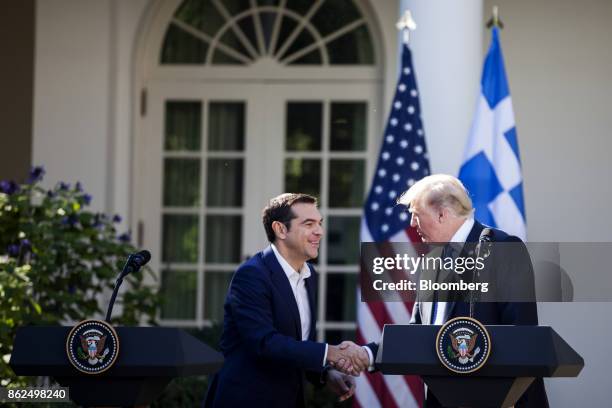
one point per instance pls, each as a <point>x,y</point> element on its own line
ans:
<point>413,223</point>
<point>319,230</point>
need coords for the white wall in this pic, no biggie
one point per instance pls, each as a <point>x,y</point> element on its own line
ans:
<point>82,95</point>
<point>447,54</point>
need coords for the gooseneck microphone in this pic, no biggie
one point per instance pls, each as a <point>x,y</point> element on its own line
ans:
<point>483,250</point>
<point>133,264</point>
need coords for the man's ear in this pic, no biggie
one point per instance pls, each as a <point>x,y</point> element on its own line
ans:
<point>279,229</point>
<point>442,214</point>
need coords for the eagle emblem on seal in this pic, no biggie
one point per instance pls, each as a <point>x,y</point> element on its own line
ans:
<point>92,346</point>
<point>463,346</point>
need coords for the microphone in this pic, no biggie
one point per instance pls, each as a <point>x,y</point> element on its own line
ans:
<point>483,249</point>
<point>133,264</point>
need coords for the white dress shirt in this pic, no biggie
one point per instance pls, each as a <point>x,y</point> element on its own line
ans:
<point>459,237</point>
<point>298,286</point>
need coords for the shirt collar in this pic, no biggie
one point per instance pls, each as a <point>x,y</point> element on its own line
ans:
<point>288,269</point>
<point>463,231</point>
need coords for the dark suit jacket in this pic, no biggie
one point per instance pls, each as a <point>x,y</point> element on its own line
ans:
<point>494,313</point>
<point>266,360</point>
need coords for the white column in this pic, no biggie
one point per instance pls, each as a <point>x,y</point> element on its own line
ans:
<point>447,50</point>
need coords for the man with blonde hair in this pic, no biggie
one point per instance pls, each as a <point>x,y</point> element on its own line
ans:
<point>442,212</point>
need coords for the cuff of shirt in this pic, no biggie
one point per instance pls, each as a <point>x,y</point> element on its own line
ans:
<point>325,355</point>
<point>370,357</point>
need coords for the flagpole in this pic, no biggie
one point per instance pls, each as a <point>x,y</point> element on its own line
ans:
<point>495,21</point>
<point>406,24</point>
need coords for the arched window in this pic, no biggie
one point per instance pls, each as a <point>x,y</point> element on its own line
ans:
<point>246,99</point>
<point>214,32</point>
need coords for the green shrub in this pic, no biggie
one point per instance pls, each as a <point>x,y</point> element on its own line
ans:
<point>56,258</point>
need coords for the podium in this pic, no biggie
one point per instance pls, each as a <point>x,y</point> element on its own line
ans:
<point>518,355</point>
<point>149,358</point>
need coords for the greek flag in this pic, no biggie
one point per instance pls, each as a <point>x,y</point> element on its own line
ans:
<point>491,169</point>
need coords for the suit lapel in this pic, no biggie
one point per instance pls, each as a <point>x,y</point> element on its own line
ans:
<point>311,289</point>
<point>470,245</point>
<point>281,282</point>
<point>425,308</point>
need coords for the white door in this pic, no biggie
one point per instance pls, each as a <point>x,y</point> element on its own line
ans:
<point>214,154</point>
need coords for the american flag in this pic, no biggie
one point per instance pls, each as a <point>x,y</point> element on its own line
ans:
<point>403,161</point>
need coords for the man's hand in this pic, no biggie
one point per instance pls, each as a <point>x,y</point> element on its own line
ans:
<point>341,384</point>
<point>348,358</point>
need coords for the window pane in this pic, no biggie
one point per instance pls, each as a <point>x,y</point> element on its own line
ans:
<point>286,28</point>
<point>343,240</point>
<point>232,41</point>
<point>348,126</point>
<point>178,290</point>
<point>337,336</point>
<point>183,125</point>
<point>346,183</point>
<point>237,6</point>
<point>247,25</point>
<point>201,14</point>
<point>180,47</point>
<point>355,47</point>
<point>180,238</point>
<point>312,58</point>
<point>341,297</point>
<point>303,176</point>
<point>333,15</point>
<point>221,58</point>
<point>224,183</point>
<point>267,25</point>
<point>303,40</point>
<point>182,182</point>
<point>226,126</point>
<point>223,238</point>
<point>300,6</point>
<point>216,284</point>
<point>304,123</point>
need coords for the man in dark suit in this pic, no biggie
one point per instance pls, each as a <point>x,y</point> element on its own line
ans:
<point>268,338</point>
<point>442,213</point>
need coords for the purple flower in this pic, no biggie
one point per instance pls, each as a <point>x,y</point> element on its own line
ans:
<point>8,187</point>
<point>25,243</point>
<point>63,186</point>
<point>116,218</point>
<point>50,194</point>
<point>96,221</point>
<point>71,220</point>
<point>87,199</point>
<point>78,186</point>
<point>125,237</point>
<point>13,250</point>
<point>36,174</point>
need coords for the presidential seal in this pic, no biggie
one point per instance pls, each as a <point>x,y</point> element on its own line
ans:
<point>92,346</point>
<point>463,345</point>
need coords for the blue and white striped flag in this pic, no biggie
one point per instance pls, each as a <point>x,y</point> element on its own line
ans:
<point>491,169</point>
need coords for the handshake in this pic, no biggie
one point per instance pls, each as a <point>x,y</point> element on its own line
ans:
<point>348,358</point>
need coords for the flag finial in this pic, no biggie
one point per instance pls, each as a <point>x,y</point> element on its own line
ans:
<point>495,21</point>
<point>406,24</point>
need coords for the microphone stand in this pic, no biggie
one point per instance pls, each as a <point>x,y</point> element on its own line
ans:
<point>484,240</point>
<point>127,268</point>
